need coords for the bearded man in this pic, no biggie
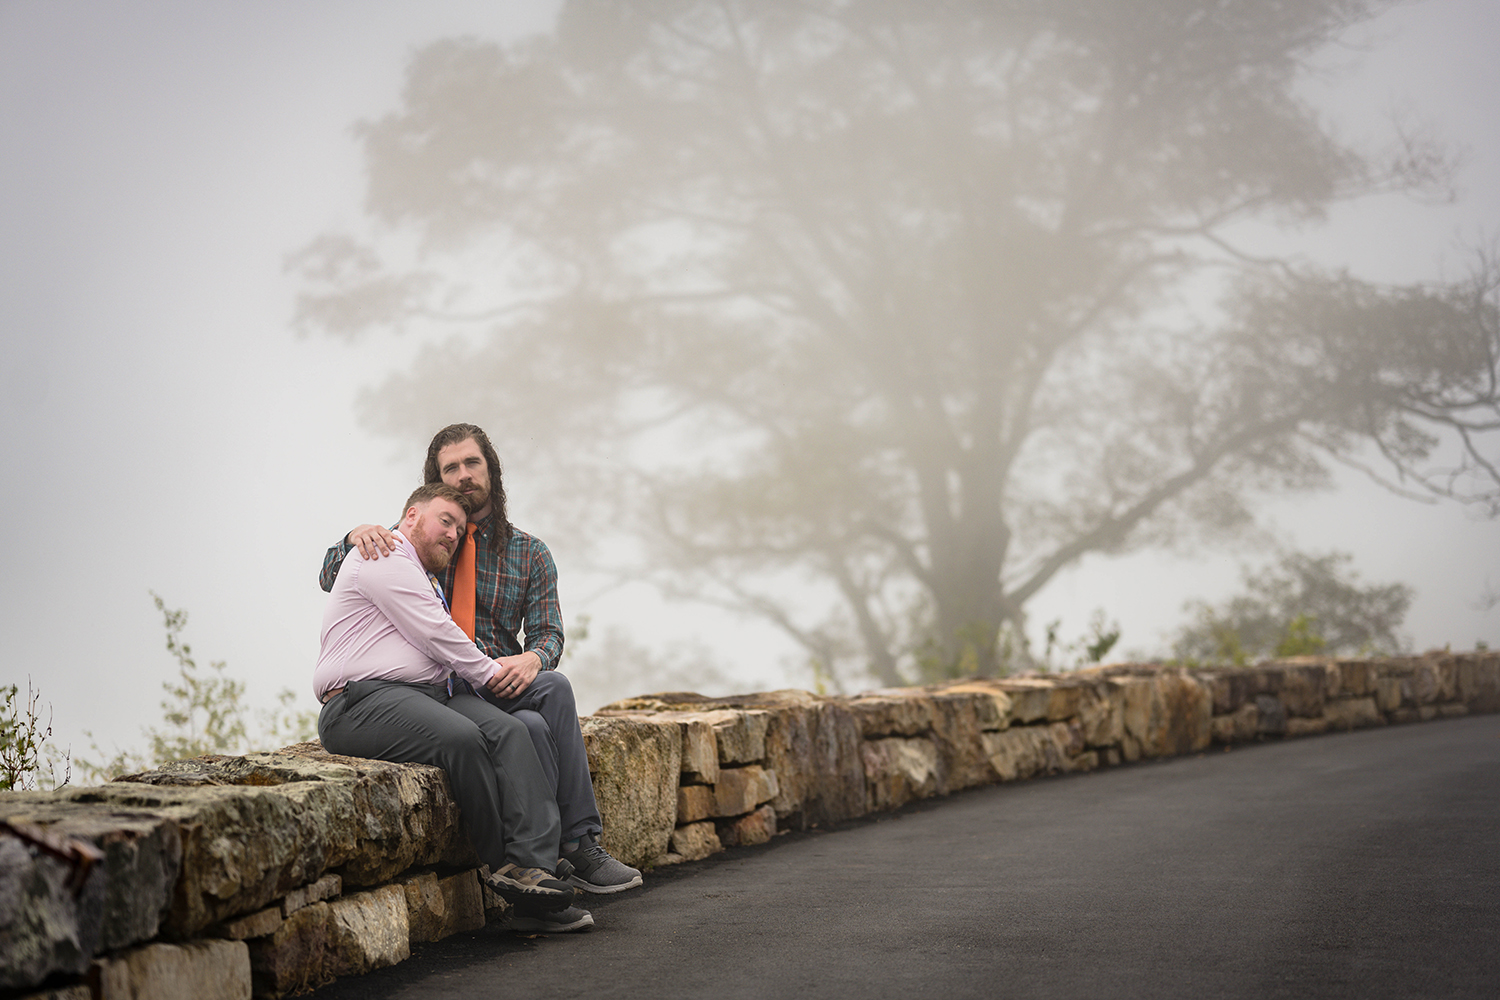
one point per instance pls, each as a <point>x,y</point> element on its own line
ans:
<point>502,581</point>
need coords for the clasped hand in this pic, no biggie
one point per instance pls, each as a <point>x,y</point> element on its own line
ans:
<point>514,674</point>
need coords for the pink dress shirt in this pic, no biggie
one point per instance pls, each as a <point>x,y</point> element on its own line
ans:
<point>385,621</point>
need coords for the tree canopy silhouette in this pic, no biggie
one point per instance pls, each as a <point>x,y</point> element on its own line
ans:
<point>922,300</point>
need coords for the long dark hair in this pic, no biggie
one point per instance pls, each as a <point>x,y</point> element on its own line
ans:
<point>455,433</point>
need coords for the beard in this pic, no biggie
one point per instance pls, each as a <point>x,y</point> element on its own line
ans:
<point>477,496</point>
<point>435,557</point>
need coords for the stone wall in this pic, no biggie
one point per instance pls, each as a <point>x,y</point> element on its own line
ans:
<point>274,872</point>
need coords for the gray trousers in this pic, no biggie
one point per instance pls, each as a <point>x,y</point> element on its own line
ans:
<point>508,806</point>
<point>550,713</point>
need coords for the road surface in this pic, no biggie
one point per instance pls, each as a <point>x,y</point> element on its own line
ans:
<point>1359,865</point>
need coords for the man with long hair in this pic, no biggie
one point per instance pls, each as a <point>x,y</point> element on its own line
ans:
<point>503,581</point>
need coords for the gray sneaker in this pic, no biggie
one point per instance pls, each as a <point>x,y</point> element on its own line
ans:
<point>533,888</point>
<point>595,870</point>
<point>556,922</point>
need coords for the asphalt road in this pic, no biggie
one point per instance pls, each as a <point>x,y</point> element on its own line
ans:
<point>1361,865</point>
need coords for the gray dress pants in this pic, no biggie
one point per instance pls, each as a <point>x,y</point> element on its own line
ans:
<point>550,712</point>
<point>508,806</point>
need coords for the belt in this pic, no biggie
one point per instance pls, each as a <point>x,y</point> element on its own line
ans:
<point>438,687</point>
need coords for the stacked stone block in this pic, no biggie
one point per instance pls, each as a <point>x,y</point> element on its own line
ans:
<point>273,873</point>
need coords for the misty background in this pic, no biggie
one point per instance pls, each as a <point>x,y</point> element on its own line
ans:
<point>166,429</point>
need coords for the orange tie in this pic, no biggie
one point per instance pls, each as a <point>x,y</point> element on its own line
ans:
<point>464,584</point>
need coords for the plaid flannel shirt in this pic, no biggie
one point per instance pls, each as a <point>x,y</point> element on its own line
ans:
<point>515,589</point>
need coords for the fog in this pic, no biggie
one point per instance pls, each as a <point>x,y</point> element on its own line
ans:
<point>166,429</point>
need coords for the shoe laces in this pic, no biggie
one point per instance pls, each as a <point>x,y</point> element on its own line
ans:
<point>593,851</point>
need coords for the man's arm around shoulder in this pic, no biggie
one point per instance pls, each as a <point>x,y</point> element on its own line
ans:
<point>371,540</point>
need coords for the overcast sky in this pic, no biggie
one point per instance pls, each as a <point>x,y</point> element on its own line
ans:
<point>164,428</point>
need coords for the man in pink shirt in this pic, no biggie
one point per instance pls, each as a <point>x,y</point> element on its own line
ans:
<point>397,678</point>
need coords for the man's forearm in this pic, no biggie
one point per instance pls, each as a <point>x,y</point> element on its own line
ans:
<point>547,649</point>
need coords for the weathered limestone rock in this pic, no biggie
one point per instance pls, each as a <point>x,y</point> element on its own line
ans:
<point>700,745</point>
<point>1270,716</point>
<point>368,930</point>
<point>1068,735</point>
<point>740,735</point>
<point>820,775</point>
<point>1388,693</point>
<point>311,811</point>
<point>1352,713</point>
<point>756,828</point>
<point>812,743</point>
<point>424,905</point>
<point>993,704</point>
<point>1300,683</point>
<point>1101,714</point>
<point>700,748</point>
<point>45,926</point>
<point>899,770</point>
<point>636,764</point>
<point>1479,682</point>
<point>191,971</point>
<point>437,907</point>
<point>142,856</point>
<point>379,818</point>
<point>741,789</point>
<point>1246,722</point>
<point>695,840</point>
<point>1351,678</point>
<point>957,725</point>
<point>1023,751</point>
<point>293,958</point>
<point>327,887</point>
<point>897,712</point>
<point>1296,726</point>
<point>1240,726</point>
<point>1036,699</point>
<point>258,924</point>
<point>1228,690</point>
<point>1164,712</point>
<point>1189,712</point>
<point>1434,680</point>
<point>1140,714</point>
<point>694,803</point>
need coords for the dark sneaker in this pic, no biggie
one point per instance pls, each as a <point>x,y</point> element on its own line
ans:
<point>594,870</point>
<point>533,888</point>
<point>556,922</point>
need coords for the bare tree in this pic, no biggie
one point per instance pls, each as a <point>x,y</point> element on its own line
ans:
<point>923,300</point>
